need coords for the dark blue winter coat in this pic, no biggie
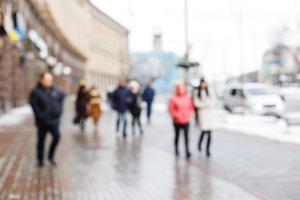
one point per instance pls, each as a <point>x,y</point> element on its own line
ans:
<point>47,105</point>
<point>121,98</point>
<point>148,95</point>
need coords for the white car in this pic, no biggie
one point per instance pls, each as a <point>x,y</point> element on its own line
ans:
<point>255,98</point>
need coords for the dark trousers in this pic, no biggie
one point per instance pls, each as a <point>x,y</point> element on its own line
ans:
<point>149,110</point>
<point>122,118</point>
<point>80,120</point>
<point>206,133</point>
<point>82,124</point>
<point>185,129</point>
<point>42,132</point>
<point>196,112</point>
<point>136,119</point>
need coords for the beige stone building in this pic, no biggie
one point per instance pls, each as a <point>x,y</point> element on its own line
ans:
<point>71,38</point>
<point>22,60</point>
<point>103,40</point>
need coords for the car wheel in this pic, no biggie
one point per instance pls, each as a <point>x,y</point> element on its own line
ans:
<point>227,108</point>
<point>279,117</point>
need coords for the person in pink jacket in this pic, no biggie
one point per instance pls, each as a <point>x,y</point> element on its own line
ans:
<point>181,108</point>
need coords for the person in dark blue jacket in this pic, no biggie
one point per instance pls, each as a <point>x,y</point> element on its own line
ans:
<point>121,98</point>
<point>47,104</point>
<point>148,97</point>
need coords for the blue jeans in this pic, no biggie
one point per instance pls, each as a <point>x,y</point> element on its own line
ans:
<point>122,118</point>
<point>149,110</point>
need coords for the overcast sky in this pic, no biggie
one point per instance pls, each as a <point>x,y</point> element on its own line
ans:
<point>218,28</point>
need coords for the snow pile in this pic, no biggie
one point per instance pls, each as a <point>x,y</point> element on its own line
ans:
<point>15,116</point>
<point>263,126</point>
<point>290,92</point>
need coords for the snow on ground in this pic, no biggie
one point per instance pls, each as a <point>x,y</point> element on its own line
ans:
<point>262,126</point>
<point>290,91</point>
<point>15,116</point>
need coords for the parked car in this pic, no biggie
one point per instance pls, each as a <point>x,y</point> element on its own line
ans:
<point>255,98</point>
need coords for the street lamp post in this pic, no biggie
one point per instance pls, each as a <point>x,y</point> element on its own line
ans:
<point>185,63</point>
<point>241,42</point>
<point>186,29</point>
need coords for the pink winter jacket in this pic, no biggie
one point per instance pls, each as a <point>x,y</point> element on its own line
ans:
<point>181,109</point>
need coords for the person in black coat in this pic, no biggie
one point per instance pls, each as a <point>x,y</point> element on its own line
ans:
<point>135,106</point>
<point>47,104</point>
<point>81,106</point>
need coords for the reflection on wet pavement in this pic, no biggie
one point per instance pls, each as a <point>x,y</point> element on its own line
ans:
<point>102,166</point>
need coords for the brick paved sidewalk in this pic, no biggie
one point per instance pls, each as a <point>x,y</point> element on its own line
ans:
<point>94,167</point>
<point>101,166</point>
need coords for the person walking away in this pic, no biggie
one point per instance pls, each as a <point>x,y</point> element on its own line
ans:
<point>81,106</point>
<point>94,106</point>
<point>181,108</point>
<point>135,106</point>
<point>47,104</point>
<point>120,104</point>
<point>205,116</point>
<point>148,97</point>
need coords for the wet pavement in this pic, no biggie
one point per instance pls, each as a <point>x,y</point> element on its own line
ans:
<point>100,165</point>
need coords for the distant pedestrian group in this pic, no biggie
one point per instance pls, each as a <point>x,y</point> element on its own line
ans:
<point>182,107</point>
<point>128,99</point>
<point>47,105</point>
<point>87,104</point>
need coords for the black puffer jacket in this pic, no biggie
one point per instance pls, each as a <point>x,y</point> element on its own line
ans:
<point>47,105</point>
<point>135,104</point>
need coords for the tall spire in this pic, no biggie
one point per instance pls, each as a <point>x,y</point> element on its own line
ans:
<point>157,40</point>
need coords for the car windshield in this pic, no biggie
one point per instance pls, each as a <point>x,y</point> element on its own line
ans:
<point>258,91</point>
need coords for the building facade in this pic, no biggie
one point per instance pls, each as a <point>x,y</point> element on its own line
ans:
<point>104,41</point>
<point>108,52</point>
<point>71,38</point>
<point>281,65</point>
<point>156,66</point>
<point>26,52</point>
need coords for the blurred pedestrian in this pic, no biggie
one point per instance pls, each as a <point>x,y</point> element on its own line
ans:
<point>81,106</point>
<point>94,105</point>
<point>135,106</point>
<point>181,109</point>
<point>109,96</point>
<point>121,96</point>
<point>148,97</point>
<point>47,104</point>
<point>205,116</point>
